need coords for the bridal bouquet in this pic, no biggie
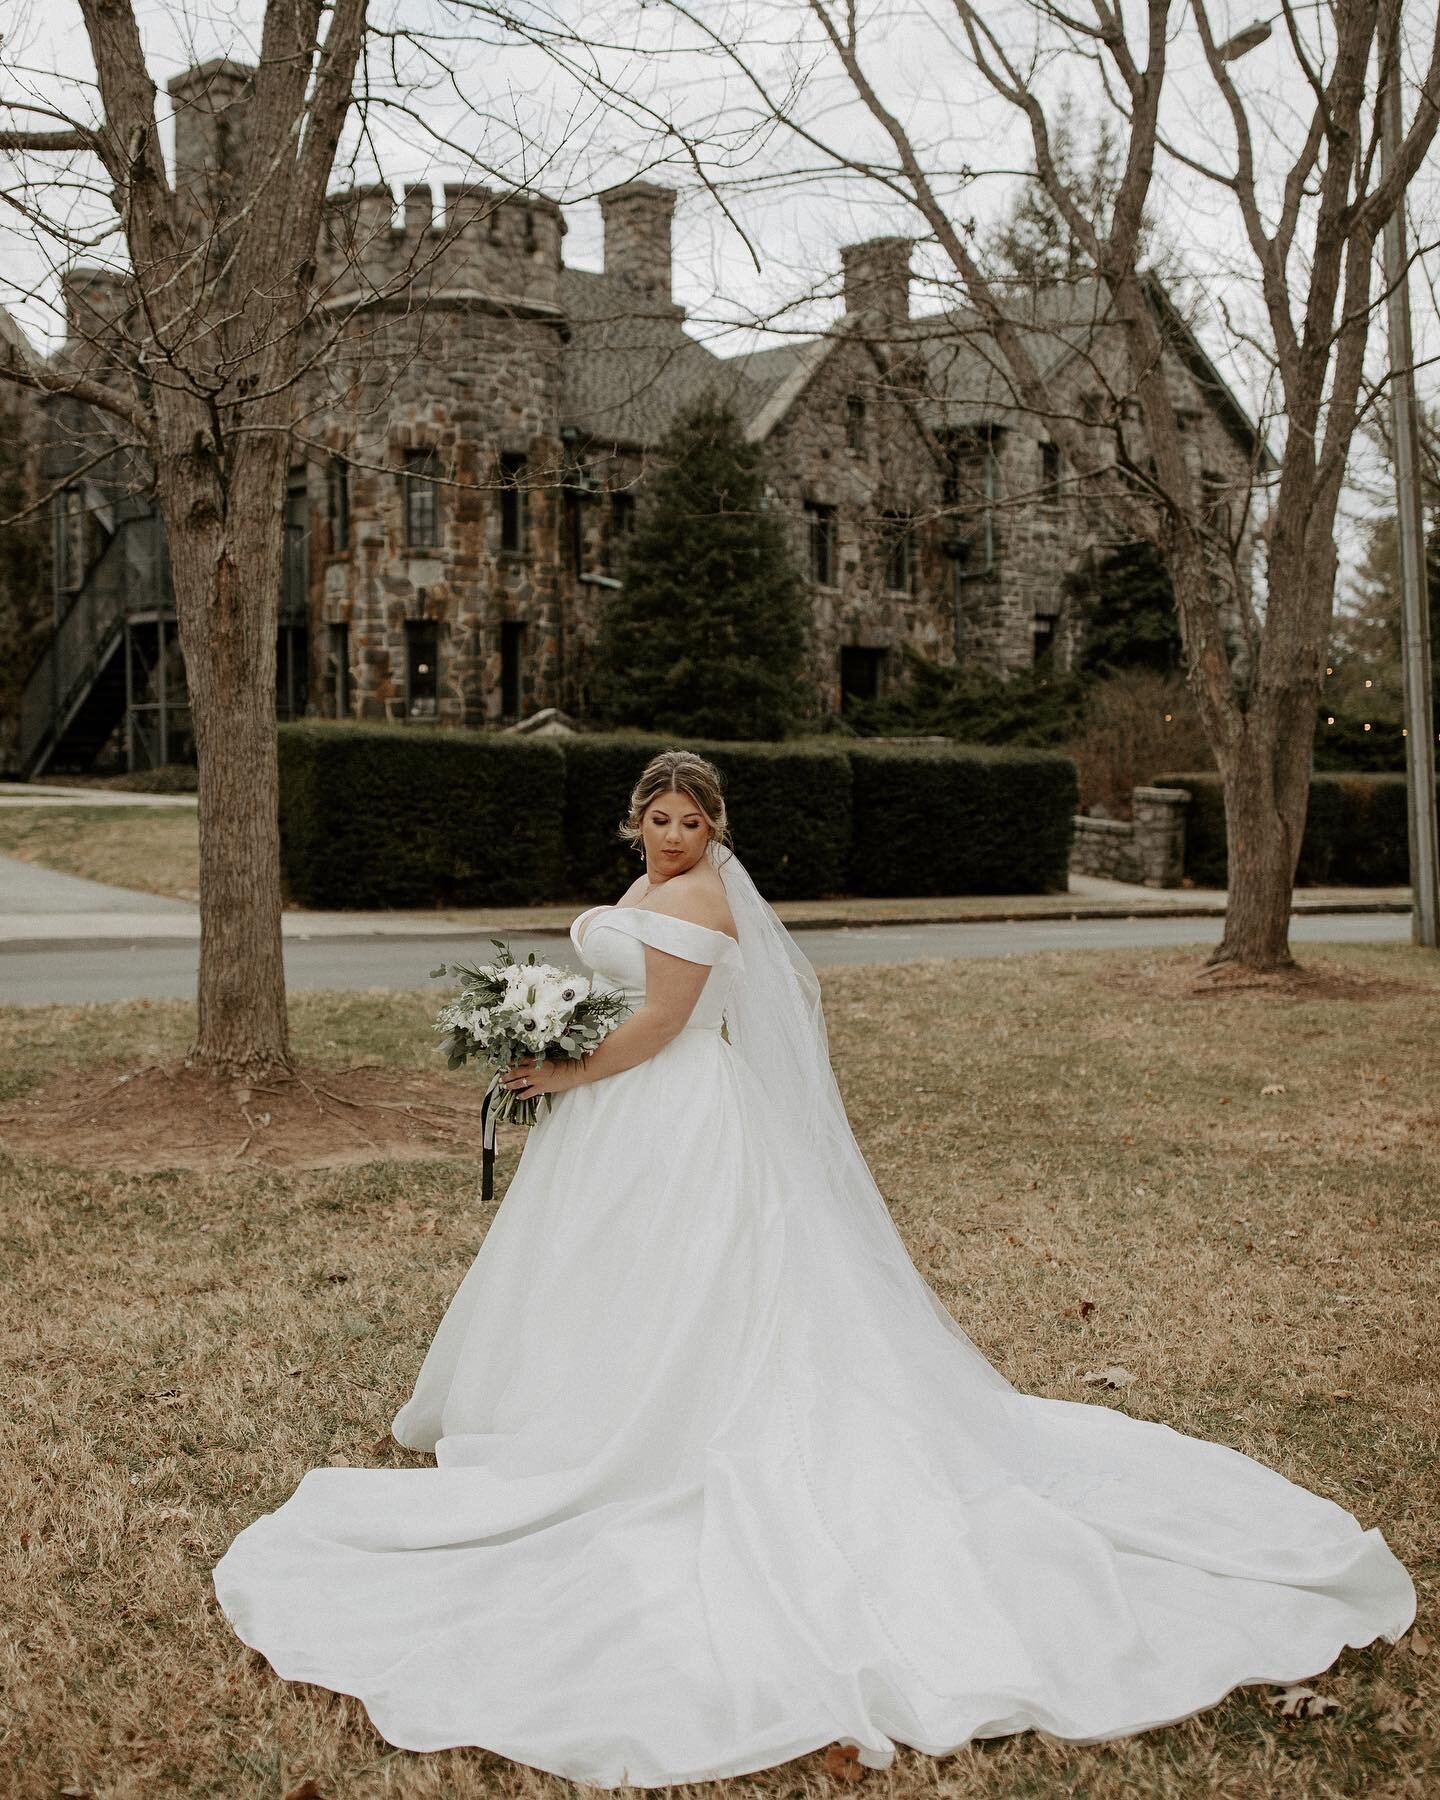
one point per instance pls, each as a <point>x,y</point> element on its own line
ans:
<point>507,1010</point>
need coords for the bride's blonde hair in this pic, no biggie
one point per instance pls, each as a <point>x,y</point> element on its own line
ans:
<point>680,772</point>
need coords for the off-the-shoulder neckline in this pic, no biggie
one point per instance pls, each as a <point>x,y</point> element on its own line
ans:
<point>615,906</point>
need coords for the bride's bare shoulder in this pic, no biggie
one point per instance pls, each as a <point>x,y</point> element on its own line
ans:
<point>636,888</point>
<point>699,896</point>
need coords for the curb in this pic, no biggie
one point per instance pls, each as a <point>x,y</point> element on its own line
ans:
<point>421,931</point>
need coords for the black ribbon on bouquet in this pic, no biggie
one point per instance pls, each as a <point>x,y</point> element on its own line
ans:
<point>487,1141</point>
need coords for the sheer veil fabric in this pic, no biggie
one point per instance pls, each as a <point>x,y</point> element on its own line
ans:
<point>719,1480</point>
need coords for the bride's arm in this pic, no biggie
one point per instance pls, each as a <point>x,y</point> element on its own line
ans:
<point>672,986</point>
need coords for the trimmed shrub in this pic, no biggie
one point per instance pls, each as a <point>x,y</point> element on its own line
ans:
<point>789,806</point>
<point>959,819</point>
<point>1356,830</point>
<point>376,816</point>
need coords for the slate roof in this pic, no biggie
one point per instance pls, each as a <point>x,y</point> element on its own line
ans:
<point>630,365</point>
<point>966,380</point>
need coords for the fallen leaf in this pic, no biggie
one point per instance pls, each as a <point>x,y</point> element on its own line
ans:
<point>843,1762</point>
<point>309,1789</point>
<point>1392,1721</point>
<point>1341,1394</point>
<point>1418,1644</point>
<point>1273,1087</point>
<point>76,1792</point>
<point>293,1369</point>
<point>1301,1703</point>
<point>1086,1308</point>
<point>1113,1377</point>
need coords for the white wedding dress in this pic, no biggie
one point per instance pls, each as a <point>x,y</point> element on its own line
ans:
<point>720,1482</point>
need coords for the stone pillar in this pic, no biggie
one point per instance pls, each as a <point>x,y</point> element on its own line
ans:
<point>1160,834</point>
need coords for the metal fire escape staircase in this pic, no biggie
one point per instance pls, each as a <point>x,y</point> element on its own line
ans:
<point>81,689</point>
<point>76,695</point>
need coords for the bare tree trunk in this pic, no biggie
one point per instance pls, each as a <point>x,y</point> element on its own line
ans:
<point>1264,820</point>
<point>1265,760</point>
<point>225,548</point>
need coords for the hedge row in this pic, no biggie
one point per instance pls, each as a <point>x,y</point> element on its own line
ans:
<point>376,816</point>
<point>1356,830</point>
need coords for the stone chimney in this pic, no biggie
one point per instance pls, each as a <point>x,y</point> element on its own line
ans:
<point>210,103</point>
<point>877,277</point>
<point>637,217</point>
<point>96,302</point>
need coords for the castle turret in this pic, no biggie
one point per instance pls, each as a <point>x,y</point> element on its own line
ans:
<point>489,247</point>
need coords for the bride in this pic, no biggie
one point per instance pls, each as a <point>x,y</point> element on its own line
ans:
<point>719,1479</point>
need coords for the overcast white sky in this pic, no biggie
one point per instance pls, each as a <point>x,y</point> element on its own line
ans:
<point>511,112</point>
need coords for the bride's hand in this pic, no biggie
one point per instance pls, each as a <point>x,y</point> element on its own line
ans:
<point>528,1080</point>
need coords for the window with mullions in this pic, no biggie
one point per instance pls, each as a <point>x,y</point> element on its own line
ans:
<point>899,550</point>
<point>422,499</point>
<point>337,504</point>
<point>422,668</point>
<point>622,523</point>
<point>338,670</point>
<point>854,423</point>
<point>1049,473</point>
<point>513,467</point>
<point>512,667</point>
<point>822,534</point>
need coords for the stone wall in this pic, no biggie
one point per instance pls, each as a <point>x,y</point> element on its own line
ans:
<point>1148,850</point>
<point>472,386</point>
<point>810,459</point>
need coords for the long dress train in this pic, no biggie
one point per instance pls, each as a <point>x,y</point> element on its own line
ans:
<point>711,1494</point>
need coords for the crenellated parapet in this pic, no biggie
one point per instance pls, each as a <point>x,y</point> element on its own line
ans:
<point>484,244</point>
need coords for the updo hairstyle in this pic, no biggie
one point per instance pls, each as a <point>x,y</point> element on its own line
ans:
<point>681,772</point>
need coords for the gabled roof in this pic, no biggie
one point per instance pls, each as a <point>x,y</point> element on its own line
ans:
<point>966,379</point>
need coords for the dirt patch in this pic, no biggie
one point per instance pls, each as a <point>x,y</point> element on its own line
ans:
<point>167,1116</point>
<point>1185,981</point>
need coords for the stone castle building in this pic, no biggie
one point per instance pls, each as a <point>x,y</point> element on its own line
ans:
<point>472,443</point>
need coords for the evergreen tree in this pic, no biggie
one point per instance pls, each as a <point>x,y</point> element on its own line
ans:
<point>1032,245</point>
<point>707,638</point>
<point>1127,612</point>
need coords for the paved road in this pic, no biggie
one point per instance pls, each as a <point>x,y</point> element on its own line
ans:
<point>122,971</point>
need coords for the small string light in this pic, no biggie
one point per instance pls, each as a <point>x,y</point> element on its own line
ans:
<point>1367,727</point>
<point>1369,682</point>
<point>1168,717</point>
<point>1331,719</point>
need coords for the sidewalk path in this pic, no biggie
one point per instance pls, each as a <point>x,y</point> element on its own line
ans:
<point>30,793</point>
<point>33,898</point>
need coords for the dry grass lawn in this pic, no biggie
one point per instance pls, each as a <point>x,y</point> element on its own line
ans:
<point>153,848</point>
<point>1235,1197</point>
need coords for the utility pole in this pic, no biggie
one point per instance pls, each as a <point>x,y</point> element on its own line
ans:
<point>1410,518</point>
